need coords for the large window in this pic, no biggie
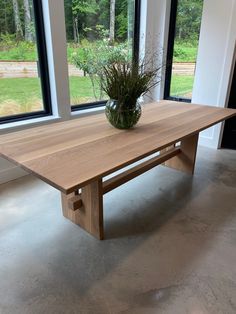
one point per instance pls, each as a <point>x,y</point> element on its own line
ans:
<point>98,32</point>
<point>185,22</point>
<point>24,82</point>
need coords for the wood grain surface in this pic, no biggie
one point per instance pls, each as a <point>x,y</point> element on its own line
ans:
<point>69,155</point>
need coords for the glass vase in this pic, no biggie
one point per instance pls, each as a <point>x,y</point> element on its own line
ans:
<point>121,117</point>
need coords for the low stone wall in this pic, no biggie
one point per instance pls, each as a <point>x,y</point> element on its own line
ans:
<point>15,69</point>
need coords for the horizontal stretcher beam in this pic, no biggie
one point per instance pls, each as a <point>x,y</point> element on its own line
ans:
<point>75,202</point>
<point>135,171</point>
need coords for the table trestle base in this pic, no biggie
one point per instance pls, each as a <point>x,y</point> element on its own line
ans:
<point>186,160</point>
<point>85,208</point>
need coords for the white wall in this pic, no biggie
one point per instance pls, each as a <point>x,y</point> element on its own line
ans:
<point>9,172</point>
<point>214,62</point>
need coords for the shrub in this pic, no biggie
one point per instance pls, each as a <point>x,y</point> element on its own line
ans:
<point>7,41</point>
<point>180,53</point>
<point>91,57</point>
<point>10,49</point>
<point>22,49</point>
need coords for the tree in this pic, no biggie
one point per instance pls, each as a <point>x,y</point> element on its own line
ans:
<point>124,19</point>
<point>80,10</point>
<point>189,15</point>
<point>84,17</point>
<point>112,19</point>
<point>18,25</point>
<point>6,17</point>
<point>27,15</point>
<point>75,29</point>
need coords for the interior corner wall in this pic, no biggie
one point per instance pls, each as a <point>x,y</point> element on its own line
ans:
<point>9,172</point>
<point>214,61</point>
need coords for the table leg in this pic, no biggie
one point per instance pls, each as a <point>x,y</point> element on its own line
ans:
<point>89,215</point>
<point>185,161</point>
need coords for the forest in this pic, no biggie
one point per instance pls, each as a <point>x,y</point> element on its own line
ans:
<point>92,20</point>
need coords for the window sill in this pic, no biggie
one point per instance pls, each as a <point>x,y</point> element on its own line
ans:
<point>24,124</point>
<point>87,112</point>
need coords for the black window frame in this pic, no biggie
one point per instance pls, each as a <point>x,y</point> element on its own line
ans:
<point>43,71</point>
<point>170,55</point>
<point>135,57</point>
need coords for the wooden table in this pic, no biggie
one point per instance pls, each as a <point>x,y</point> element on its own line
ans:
<point>76,155</point>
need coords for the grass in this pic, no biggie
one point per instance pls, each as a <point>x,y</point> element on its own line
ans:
<point>81,90</point>
<point>183,52</point>
<point>24,89</point>
<point>24,94</point>
<point>22,53</point>
<point>181,86</point>
<point>19,89</point>
<point>18,53</point>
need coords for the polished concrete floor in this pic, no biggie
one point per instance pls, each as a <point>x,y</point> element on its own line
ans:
<point>170,246</point>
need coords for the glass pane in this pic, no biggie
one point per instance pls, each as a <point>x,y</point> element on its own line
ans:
<point>188,22</point>
<point>19,80</point>
<point>98,32</point>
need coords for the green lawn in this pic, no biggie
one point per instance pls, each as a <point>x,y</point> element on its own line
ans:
<point>181,86</point>
<point>183,52</point>
<point>19,89</point>
<point>81,90</point>
<point>22,53</point>
<point>24,94</point>
<point>25,89</point>
<point>19,95</point>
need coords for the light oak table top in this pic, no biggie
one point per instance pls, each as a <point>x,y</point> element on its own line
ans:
<point>71,154</point>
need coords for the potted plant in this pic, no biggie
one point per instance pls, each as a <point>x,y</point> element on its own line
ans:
<point>124,83</point>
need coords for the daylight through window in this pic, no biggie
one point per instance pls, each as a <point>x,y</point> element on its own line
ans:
<point>20,83</point>
<point>98,33</point>
<point>184,33</point>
